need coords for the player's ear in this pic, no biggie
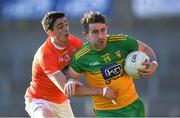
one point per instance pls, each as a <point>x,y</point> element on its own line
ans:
<point>85,35</point>
<point>50,33</point>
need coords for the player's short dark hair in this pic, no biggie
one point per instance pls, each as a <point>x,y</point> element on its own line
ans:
<point>50,18</point>
<point>91,17</point>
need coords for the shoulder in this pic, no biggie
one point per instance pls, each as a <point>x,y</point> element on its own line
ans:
<point>86,48</point>
<point>73,38</point>
<point>46,49</point>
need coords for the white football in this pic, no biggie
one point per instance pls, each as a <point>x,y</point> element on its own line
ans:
<point>134,61</point>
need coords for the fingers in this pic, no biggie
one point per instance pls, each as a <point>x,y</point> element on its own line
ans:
<point>66,90</point>
<point>146,72</point>
<point>70,87</point>
<point>109,93</point>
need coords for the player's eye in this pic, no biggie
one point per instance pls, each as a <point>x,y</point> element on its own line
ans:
<point>95,31</point>
<point>60,26</point>
<point>103,30</point>
<point>66,24</point>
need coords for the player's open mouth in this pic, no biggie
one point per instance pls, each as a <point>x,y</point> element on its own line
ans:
<point>101,42</point>
<point>66,35</point>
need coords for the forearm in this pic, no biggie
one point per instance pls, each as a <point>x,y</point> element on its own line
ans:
<point>59,83</point>
<point>153,65</point>
<point>59,80</point>
<point>148,50</point>
<point>150,53</point>
<point>153,58</point>
<point>85,91</point>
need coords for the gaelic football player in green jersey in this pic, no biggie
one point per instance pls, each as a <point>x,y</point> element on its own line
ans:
<point>101,61</point>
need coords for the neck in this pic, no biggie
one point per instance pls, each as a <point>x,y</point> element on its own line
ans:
<point>96,48</point>
<point>59,45</point>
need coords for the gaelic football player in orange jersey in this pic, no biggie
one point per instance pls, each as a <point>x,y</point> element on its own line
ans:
<point>45,96</point>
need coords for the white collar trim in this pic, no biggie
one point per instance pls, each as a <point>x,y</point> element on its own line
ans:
<point>56,46</point>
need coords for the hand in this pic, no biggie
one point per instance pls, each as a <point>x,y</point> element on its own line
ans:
<point>149,70</point>
<point>109,93</point>
<point>70,86</point>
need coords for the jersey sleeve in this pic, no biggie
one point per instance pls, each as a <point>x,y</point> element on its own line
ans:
<point>124,41</point>
<point>131,44</point>
<point>77,43</point>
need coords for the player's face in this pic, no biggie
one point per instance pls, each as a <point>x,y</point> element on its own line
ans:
<point>97,35</point>
<point>61,29</point>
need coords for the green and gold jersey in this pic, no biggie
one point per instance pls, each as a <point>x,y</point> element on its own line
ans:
<point>105,69</point>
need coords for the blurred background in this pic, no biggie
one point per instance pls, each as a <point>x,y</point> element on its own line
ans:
<point>155,22</point>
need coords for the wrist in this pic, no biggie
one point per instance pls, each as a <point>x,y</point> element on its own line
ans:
<point>70,80</point>
<point>104,91</point>
<point>100,91</point>
<point>155,62</point>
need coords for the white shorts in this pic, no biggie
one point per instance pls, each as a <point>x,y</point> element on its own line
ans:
<point>60,110</point>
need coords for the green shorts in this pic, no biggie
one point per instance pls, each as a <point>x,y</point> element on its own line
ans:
<point>136,109</point>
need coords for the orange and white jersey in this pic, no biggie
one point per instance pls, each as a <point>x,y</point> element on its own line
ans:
<point>48,60</point>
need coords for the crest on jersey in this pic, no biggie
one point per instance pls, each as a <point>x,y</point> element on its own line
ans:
<point>118,54</point>
<point>67,57</point>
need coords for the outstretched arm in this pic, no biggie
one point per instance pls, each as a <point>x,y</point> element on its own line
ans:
<point>74,88</point>
<point>59,79</point>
